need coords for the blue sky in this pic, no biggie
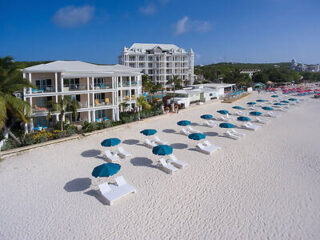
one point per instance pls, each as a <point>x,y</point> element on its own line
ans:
<point>217,30</point>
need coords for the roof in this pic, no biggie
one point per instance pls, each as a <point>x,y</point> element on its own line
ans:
<point>142,47</point>
<point>80,67</point>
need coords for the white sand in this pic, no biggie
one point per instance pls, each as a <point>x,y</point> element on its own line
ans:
<point>264,186</point>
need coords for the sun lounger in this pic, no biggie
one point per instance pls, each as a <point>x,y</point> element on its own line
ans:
<point>111,157</point>
<point>250,126</point>
<point>210,123</point>
<point>239,113</point>
<point>207,149</point>
<point>159,141</point>
<point>123,153</point>
<point>192,130</point>
<point>259,120</point>
<point>185,132</point>
<point>231,135</point>
<point>270,114</point>
<point>235,132</point>
<point>167,167</point>
<point>176,162</point>
<point>149,143</point>
<point>224,118</point>
<point>252,108</point>
<point>113,192</point>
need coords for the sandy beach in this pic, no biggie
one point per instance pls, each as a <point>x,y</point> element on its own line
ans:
<point>263,186</point>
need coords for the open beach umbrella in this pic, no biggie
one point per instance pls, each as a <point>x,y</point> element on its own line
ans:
<point>184,123</point>
<point>261,100</point>
<point>255,113</point>
<point>109,142</point>
<point>197,136</point>
<point>106,170</point>
<point>251,103</point>
<point>148,132</point>
<point>243,119</point>
<point>238,107</point>
<point>292,99</point>
<point>206,116</point>
<point>226,125</point>
<point>223,112</point>
<point>162,150</point>
<point>274,96</point>
<point>267,108</point>
<point>285,101</point>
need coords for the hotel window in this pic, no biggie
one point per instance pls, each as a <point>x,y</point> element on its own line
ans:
<point>149,58</point>
<point>150,65</point>
<point>43,84</point>
<point>70,82</point>
<point>98,82</point>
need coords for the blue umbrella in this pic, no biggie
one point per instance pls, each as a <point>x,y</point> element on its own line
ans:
<point>110,142</point>
<point>284,101</point>
<point>275,96</point>
<point>292,99</point>
<point>162,150</point>
<point>261,100</point>
<point>238,107</point>
<point>184,123</point>
<point>278,104</point>
<point>243,119</point>
<point>106,170</point>
<point>223,112</point>
<point>197,136</point>
<point>251,103</point>
<point>206,116</point>
<point>267,108</point>
<point>226,125</point>
<point>148,132</point>
<point>255,113</point>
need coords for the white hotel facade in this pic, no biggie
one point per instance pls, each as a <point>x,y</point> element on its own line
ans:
<point>160,61</point>
<point>99,89</point>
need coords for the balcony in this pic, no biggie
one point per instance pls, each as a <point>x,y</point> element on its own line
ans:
<point>74,87</point>
<point>102,102</point>
<point>43,89</point>
<point>102,86</point>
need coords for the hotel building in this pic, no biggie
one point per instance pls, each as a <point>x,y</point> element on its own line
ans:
<point>160,61</point>
<point>99,89</point>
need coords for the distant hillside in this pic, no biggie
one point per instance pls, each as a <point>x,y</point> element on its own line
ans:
<point>24,64</point>
<point>213,72</point>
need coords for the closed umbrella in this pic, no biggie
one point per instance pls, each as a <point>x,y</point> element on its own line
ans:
<point>197,136</point>
<point>292,99</point>
<point>206,116</point>
<point>274,96</point>
<point>148,132</point>
<point>243,119</point>
<point>255,113</point>
<point>184,123</point>
<point>261,100</point>
<point>106,170</point>
<point>110,142</point>
<point>251,103</point>
<point>162,150</point>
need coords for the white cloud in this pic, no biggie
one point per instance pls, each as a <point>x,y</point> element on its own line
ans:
<point>182,25</point>
<point>71,16</point>
<point>148,10</point>
<point>186,25</point>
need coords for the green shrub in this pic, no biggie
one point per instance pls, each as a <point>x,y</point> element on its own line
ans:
<point>9,144</point>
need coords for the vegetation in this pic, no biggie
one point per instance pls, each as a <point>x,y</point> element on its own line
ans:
<point>149,86</point>
<point>12,109</point>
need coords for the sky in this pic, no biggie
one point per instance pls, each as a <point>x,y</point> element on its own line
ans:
<point>217,30</point>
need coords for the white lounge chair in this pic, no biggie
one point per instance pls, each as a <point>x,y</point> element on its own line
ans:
<point>111,157</point>
<point>149,143</point>
<point>252,108</point>
<point>113,192</point>
<point>176,162</point>
<point>210,123</point>
<point>259,120</point>
<point>231,135</point>
<point>223,118</point>
<point>168,167</point>
<point>270,114</point>
<point>158,141</point>
<point>123,153</point>
<point>250,126</point>
<point>235,132</point>
<point>239,113</point>
<point>185,132</point>
<point>192,130</point>
<point>207,149</point>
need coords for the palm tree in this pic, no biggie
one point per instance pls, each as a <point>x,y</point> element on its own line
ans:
<point>12,108</point>
<point>142,103</point>
<point>123,106</point>
<point>176,82</point>
<point>66,104</point>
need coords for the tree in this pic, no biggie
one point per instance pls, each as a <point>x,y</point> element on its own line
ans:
<point>66,104</point>
<point>238,78</point>
<point>260,77</point>
<point>142,104</point>
<point>12,109</point>
<point>147,83</point>
<point>123,106</point>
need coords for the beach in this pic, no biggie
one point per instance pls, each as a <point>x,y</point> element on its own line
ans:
<point>263,186</point>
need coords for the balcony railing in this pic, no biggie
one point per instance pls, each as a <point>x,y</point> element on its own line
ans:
<point>101,86</point>
<point>43,89</point>
<point>102,102</point>
<point>74,87</point>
